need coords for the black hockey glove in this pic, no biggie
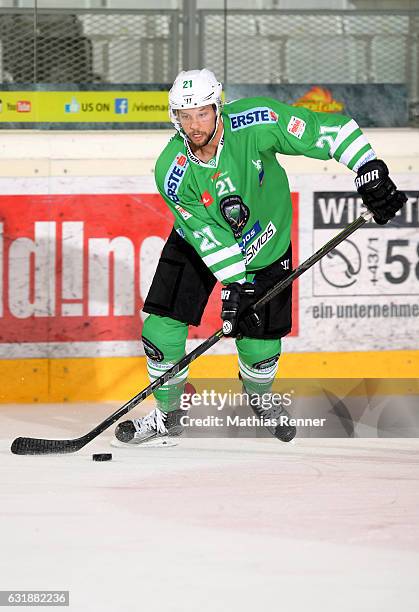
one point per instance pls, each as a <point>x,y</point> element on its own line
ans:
<point>236,300</point>
<point>378,192</point>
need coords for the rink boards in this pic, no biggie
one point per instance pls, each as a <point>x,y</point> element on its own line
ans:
<point>80,239</point>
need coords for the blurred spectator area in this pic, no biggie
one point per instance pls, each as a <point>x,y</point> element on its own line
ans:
<point>84,46</point>
<point>50,49</point>
<point>247,45</point>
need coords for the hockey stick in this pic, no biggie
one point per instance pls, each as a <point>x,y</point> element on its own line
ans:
<point>37,446</point>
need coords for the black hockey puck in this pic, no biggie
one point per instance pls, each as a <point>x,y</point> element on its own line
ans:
<point>102,457</point>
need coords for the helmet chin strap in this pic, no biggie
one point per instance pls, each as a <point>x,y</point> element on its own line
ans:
<point>216,126</point>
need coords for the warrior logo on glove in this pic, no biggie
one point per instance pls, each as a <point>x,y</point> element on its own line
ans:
<point>378,192</point>
<point>366,178</point>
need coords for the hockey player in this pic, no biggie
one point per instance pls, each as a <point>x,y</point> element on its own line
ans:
<point>231,202</point>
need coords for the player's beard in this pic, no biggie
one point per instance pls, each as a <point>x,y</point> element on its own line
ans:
<point>203,142</point>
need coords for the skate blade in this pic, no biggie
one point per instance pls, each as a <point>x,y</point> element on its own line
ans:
<point>153,443</point>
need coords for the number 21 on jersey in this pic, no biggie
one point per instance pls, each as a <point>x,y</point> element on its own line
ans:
<point>208,240</point>
<point>224,186</point>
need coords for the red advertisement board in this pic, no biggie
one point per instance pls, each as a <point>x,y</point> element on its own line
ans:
<point>76,268</point>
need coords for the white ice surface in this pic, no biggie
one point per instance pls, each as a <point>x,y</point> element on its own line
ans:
<point>209,525</point>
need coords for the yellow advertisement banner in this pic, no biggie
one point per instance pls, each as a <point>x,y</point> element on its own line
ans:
<point>84,107</point>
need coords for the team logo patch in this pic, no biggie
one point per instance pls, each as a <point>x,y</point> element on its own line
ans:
<point>151,350</point>
<point>256,246</point>
<point>253,116</point>
<point>267,364</point>
<point>207,198</point>
<point>296,127</point>
<point>175,176</point>
<point>235,212</point>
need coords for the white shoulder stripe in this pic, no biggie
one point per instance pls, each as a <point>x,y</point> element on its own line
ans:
<point>353,149</point>
<point>343,134</point>
<point>214,258</point>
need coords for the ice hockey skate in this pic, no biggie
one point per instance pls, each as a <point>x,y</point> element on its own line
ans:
<point>157,428</point>
<point>283,430</point>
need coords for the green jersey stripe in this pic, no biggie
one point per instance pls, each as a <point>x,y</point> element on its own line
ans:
<point>367,156</point>
<point>346,143</point>
<point>226,253</point>
<point>345,131</point>
<point>233,270</point>
<point>353,149</point>
<point>237,259</point>
<point>238,278</point>
<point>359,154</point>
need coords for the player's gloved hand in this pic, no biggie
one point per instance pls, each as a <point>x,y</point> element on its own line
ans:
<point>378,192</point>
<point>236,300</point>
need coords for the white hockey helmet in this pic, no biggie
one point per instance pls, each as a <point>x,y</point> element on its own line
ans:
<point>193,89</point>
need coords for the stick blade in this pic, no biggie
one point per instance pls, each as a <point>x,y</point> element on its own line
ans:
<point>39,446</point>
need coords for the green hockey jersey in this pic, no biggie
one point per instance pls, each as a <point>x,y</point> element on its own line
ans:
<point>235,210</point>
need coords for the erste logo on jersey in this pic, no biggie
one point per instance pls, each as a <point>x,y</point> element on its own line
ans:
<point>253,116</point>
<point>175,175</point>
<point>256,246</point>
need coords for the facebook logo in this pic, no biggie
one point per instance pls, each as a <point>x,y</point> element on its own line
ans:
<point>121,106</point>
